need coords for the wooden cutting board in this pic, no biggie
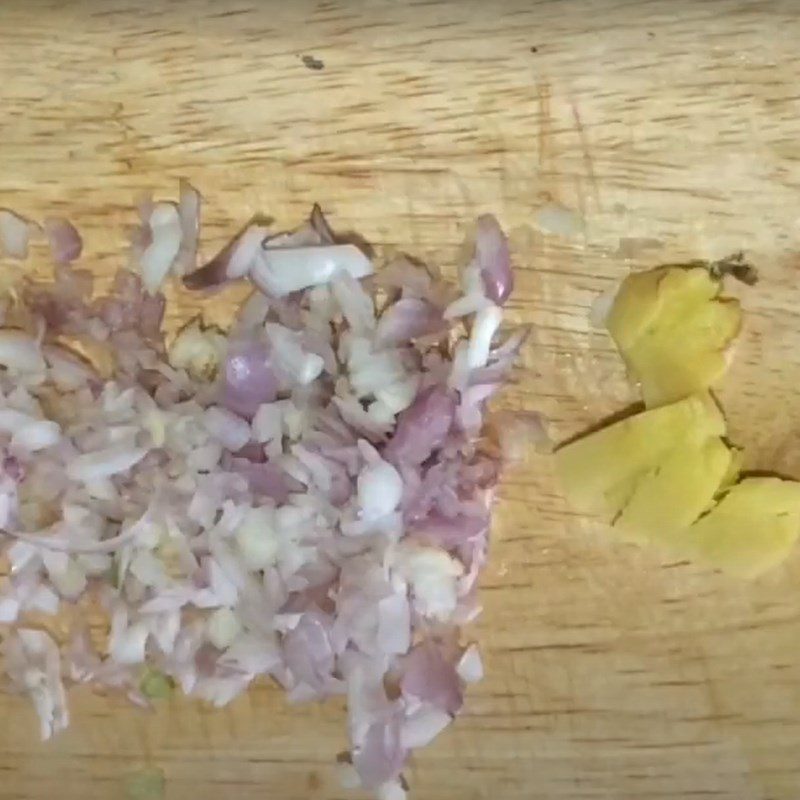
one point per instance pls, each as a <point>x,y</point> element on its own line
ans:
<point>666,131</point>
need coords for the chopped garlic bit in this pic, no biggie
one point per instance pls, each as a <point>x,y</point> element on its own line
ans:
<point>432,574</point>
<point>222,628</point>
<point>257,538</point>
<point>198,350</point>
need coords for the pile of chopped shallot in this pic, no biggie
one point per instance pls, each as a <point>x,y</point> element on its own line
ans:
<point>305,496</point>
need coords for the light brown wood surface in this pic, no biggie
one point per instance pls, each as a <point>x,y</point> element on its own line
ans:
<point>672,130</point>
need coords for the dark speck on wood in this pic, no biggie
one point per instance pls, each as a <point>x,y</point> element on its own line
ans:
<point>313,63</point>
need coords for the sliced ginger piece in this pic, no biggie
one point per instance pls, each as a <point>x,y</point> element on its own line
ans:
<point>635,308</point>
<point>673,330</point>
<point>600,471</point>
<point>750,530</point>
<point>675,492</point>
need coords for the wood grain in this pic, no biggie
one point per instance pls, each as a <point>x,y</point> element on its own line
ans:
<point>671,130</point>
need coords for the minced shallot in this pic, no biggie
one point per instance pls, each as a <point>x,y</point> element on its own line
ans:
<point>304,497</point>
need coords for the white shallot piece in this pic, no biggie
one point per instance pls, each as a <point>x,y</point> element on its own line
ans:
<point>15,234</point>
<point>304,497</point>
<point>166,232</point>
